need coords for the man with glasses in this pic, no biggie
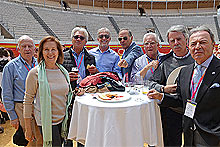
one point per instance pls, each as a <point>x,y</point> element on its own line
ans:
<point>106,59</point>
<point>145,65</point>
<point>132,52</point>
<point>13,86</point>
<point>177,37</point>
<point>77,59</point>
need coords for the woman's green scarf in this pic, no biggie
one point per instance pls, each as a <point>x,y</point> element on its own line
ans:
<point>45,103</point>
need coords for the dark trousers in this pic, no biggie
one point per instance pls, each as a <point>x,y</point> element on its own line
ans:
<point>69,143</point>
<point>57,140</point>
<point>172,127</point>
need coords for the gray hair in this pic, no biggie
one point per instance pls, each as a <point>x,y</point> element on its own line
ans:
<point>76,29</point>
<point>152,34</point>
<point>179,28</point>
<point>129,31</point>
<point>203,28</point>
<point>104,30</point>
<point>25,37</point>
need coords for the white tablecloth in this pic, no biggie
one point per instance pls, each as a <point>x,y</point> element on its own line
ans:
<point>130,123</point>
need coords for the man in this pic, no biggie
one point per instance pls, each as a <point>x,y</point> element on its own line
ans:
<point>77,56</point>
<point>172,118</point>
<point>132,52</point>
<point>106,59</point>
<point>198,91</point>
<point>145,65</point>
<point>13,82</point>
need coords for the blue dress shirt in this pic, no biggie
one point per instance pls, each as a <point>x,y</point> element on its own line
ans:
<point>78,59</point>
<point>106,61</point>
<point>13,83</point>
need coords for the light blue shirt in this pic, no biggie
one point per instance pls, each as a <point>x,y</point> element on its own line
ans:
<point>140,63</point>
<point>106,61</point>
<point>13,83</point>
<point>81,67</point>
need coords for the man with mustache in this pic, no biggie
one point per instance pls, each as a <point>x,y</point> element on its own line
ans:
<point>106,59</point>
<point>145,65</point>
<point>172,118</point>
<point>13,84</point>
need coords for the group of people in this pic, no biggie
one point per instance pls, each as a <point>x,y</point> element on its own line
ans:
<point>38,92</point>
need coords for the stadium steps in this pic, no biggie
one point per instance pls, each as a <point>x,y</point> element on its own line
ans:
<point>156,29</point>
<point>41,22</point>
<point>115,25</point>
<point>5,32</point>
<point>217,27</point>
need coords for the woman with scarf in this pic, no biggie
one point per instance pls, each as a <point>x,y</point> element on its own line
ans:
<point>48,85</point>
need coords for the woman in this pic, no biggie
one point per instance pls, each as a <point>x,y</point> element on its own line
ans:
<point>48,85</point>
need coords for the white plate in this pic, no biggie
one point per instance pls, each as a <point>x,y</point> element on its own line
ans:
<point>173,75</point>
<point>122,97</point>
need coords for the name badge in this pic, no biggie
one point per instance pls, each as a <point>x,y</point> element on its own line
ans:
<point>190,109</point>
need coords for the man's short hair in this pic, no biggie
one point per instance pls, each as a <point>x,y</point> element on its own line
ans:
<point>24,37</point>
<point>76,29</point>
<point>104,30</point>
<point>178,28</point>
<point>153,34</point>
<point>129,31</point>
<point>203,28</point>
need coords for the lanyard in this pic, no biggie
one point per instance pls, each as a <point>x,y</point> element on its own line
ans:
<point>78,66</point>
<point>151,68</point>
<point>33,65</point>
<point>192,83</point>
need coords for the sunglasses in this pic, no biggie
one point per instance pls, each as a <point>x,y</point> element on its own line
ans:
<point>120,38</point>
<point>106,36</point>
<point>77,36</point>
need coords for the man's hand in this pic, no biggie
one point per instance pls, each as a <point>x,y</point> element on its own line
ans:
<point>154,94</point>
<point>170,88</point>
<point>123,63</point>
<point>154,64</point>
<point>73,76</point>
<point>29,135</point>
<point>15,123</point>
<point>92,69</point>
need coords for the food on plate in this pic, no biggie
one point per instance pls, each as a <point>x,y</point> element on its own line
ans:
<point>109,96</point>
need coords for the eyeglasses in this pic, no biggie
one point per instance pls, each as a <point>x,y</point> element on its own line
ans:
<point>106,36</point>
<point>150,43</point>
<point>120,38</point>
<point>77,36</point>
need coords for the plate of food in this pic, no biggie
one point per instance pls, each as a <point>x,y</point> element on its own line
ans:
<point>113,97</point>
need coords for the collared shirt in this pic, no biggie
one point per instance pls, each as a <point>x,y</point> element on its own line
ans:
<point>80,62</point>
<point>106,61</point>
<point>140,63</point>
<point>204,66</point>
<point>130,54</point>
<point>13,83</point>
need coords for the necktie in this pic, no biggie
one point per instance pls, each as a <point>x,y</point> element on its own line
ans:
<point>196,77</point>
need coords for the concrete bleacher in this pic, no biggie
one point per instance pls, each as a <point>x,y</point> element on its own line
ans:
<point>164,23</point>
<point>20,21</point>
<point>62,22</point>
<point>136,24</point>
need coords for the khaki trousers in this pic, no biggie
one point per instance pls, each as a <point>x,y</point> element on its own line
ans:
<point>39,140</point>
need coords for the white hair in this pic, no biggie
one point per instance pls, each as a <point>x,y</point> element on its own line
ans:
<point>25,37</point>
<point>151,34</point>
<point>76,29</point>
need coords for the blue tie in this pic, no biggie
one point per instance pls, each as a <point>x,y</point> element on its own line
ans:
<point>196,77</point>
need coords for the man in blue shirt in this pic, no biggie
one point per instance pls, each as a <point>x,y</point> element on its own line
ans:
<point>13,80</point>
<point>106,59</point>
<point>145,65</point>
<point>132,52</point>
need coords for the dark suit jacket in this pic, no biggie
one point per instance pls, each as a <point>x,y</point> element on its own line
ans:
<point>207,113</point>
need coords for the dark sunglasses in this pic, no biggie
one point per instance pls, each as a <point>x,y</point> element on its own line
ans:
<point>120,38</point>
<point>77,36</point>
<point>106,36</point>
